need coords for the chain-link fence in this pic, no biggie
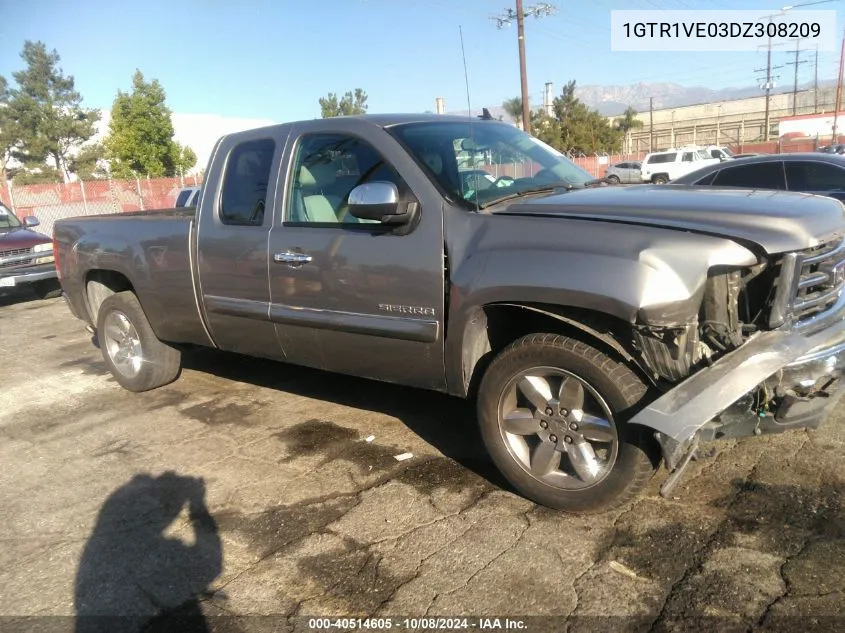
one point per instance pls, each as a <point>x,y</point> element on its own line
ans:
<point>50,202</point>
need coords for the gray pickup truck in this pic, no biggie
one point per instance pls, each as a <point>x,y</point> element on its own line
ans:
<point>602,331</point>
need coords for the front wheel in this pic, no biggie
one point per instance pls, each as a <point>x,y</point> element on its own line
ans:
<point>137,359</point>
<point>613,180</point>
<point>552,413</point>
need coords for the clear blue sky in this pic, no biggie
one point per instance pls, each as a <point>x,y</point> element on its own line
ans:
<point>274,59</point>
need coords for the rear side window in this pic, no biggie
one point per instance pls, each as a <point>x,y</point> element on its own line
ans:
<point>662,158</point>
<point>245,183</point>
<point>687,157</point>
<point>707,180</point>
<point>814,176</point>
<point>182,198</point>
<point>758,176</point>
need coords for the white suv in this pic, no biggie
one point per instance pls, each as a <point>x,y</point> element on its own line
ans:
<point>661,167</point>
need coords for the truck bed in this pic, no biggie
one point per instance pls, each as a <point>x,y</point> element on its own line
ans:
<point>151,250</point>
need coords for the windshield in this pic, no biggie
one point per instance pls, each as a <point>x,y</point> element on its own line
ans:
<point>456,154</point>
<point>8,219</point>
<point>727,151</point>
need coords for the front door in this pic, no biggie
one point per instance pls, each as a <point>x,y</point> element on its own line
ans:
<point>232,259</point>
<point>349,295</point>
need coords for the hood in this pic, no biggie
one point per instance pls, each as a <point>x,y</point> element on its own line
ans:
<point>20,238</point>
<point>774,220</point>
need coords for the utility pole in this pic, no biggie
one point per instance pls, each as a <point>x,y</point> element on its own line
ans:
<point>523,76</point>
<point>816,84</point>
<point>795,63</point>
<point>838,103</point>
<point>768,83</point>
<point>651,124</point>
<point>503,20</point>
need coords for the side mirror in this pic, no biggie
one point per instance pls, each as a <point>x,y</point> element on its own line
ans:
<point>30,221</point>
<point>379,201</point>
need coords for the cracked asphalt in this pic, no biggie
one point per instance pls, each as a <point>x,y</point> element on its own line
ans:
<point>248,488</point>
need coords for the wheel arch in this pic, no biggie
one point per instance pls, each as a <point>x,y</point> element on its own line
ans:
<point>101,283</point>
<point>492,327</point>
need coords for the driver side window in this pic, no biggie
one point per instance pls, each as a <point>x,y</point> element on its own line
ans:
<point>326,168</point>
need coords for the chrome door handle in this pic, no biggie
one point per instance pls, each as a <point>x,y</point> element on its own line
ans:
<point>289,257</point>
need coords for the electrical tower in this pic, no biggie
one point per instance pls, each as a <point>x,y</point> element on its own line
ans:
<point>506,19</point>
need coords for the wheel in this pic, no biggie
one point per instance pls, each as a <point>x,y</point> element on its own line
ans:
<point>613,179</point>
<point>133,354</point>
<point>552,413</point>
<point>660,179</point>
<point>47,288</point>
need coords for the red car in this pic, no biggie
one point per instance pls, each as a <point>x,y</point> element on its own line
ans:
<point>26,257</point>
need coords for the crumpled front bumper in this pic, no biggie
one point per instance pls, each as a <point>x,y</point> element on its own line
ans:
<point>803,371</point>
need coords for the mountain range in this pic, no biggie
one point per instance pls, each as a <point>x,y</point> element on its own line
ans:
<point>613,100</point>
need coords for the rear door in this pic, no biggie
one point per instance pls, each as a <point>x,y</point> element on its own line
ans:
<point>351,296</point>
<point>764,175</point>
<point>816,177</point>
<point>233,228</point>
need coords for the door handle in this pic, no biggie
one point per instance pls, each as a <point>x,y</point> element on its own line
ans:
<point>289,257</point>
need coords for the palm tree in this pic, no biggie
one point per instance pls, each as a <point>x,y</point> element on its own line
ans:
<point>628,120</point>
<point>513,108</point>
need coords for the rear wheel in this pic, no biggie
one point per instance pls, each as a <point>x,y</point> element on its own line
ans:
<point>137,359</point>
<point>552,412</point>
<point>660,179</point>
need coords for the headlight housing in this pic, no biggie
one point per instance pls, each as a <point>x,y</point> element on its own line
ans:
<point>46,247</point>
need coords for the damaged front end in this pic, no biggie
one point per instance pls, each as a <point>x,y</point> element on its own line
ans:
<point>756,348</point>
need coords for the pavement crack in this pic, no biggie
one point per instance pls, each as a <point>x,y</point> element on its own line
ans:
<point>787,585</point>
<point>701,552</point>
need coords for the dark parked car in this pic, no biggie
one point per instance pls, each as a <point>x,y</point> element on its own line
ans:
<point>822,174</point>
<point>26,257</point>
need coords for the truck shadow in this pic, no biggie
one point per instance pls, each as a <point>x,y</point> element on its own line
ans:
<point>135,572</point>
<point>446,423</point>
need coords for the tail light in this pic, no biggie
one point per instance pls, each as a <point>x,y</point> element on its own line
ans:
<point>56,258</point>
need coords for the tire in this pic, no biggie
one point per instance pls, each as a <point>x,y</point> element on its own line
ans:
<point>47,289</point>
<point>616,464</point>
<point>660,179</point>
<point>613,180</point>
<point>137,359</point>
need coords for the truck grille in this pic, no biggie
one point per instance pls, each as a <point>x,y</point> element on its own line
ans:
<point>14,258</point>
<point>819,284</point>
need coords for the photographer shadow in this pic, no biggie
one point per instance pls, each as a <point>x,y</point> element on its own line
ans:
<point>132,576</point>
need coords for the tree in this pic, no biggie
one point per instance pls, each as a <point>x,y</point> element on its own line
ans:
<point>140,139</point>
<point>350,103</point>
<point>43,118</point>
<point>88,163</point>
<point>513,108</point>
<point>628,121</point>
<point>8,134</point>
<point>576,128</point>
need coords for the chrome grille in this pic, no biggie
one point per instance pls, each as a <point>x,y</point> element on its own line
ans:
<point>819,283</point>
<point>12,258</point>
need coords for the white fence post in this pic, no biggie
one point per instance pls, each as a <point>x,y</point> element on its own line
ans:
<point>84,200</point>
<point>140,196</point>
<point>11,197</point>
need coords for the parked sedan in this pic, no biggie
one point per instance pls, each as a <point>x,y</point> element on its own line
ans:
<point>817,173</point>
<point>624,172</point>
